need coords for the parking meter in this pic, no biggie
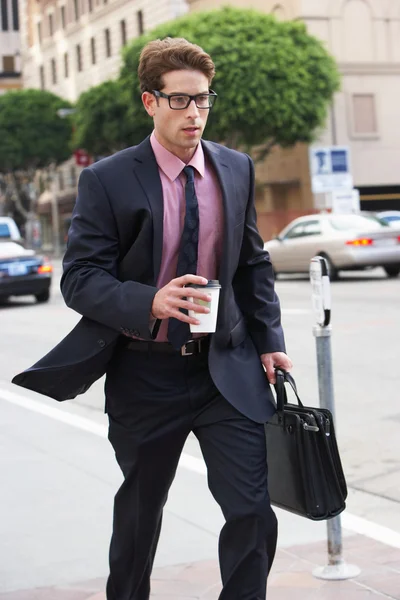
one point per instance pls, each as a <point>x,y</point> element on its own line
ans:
<point>320,289</point>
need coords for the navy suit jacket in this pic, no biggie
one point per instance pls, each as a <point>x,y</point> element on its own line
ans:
<point>111,267</point>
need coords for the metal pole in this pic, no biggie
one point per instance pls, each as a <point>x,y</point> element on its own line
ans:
<point>326,397</point>
<point>336,567</point>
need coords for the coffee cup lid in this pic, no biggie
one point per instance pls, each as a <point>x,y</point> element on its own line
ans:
<point>212,283</point>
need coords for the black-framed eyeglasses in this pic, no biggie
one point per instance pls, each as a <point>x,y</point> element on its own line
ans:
<point>182,101</point>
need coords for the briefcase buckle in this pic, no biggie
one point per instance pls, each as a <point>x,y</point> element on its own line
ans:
<point>308,427</point>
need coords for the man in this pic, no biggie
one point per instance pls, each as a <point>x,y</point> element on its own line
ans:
<point>148,221</point>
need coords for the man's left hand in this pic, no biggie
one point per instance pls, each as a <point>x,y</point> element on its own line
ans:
<point>275,360</point>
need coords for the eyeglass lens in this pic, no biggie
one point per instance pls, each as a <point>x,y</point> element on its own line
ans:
<point>183,101</point>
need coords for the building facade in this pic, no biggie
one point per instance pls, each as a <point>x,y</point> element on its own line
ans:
<point>10,60</point>
<point>69,46</point>
<point>364,38</point>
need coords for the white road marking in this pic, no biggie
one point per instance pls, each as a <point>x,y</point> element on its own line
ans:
<point>372,530</point>
<point>54,413</point>
<point>191,463</point>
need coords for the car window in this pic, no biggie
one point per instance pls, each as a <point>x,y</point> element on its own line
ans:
<point>345,222</point>
<point>391,219</point>
<point>312,228</point>
<point>294,232</point>
<point>4,230</point>
<point>304,229</point>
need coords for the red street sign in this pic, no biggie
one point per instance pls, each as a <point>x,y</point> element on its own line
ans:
<point>82,158</point>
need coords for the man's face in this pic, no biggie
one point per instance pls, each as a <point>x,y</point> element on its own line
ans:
<point>179,131</point>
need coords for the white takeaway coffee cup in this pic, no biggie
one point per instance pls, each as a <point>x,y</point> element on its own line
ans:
<point>208,321</point>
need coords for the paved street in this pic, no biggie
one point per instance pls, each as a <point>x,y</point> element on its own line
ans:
<point>59,476</point>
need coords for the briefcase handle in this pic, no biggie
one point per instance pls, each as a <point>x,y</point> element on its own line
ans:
<point>283,377</point>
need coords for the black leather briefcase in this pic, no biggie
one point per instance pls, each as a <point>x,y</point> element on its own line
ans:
<point>305,474</point>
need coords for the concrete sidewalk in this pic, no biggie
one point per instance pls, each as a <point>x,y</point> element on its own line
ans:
<point>291,577</point>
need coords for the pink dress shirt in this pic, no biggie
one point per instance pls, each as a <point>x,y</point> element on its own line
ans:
<point>209,198</point>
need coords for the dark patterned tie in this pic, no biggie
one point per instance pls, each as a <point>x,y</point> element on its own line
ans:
<point>179,332</point>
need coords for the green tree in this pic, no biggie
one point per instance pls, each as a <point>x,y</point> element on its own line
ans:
<point>274,81</point>
<point>32,136</point>
<point>102,123</point>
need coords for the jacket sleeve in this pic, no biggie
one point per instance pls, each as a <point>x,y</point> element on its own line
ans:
<point>89,283</point>
<point>253,285</point>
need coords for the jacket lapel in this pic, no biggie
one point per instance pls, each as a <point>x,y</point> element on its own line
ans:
<point>146,171</point>
<point>226,180</point>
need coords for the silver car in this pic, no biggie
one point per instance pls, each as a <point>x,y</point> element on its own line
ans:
<point>348,242</point>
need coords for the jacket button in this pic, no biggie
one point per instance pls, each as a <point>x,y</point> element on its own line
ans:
<point>101,343</point>
<point>136,333</point>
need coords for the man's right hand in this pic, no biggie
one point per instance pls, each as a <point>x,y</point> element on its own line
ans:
<point>169,299</point>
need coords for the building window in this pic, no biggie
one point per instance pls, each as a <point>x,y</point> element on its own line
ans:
<point>63,19</point>
<point>53,71</point>
<point>66,65</point>
<point>90,5</point>
<point>15,15</point>
<point>41,75</point>
<point>279,12</point>
<point>93,50</point>
<point>364,114</point>
<point>72,176</point>
<point>51,25</point>
<point>108,42</point>
<point>76,10</point>
<point>139,16</point>
<point>4,15</point>
<point>39,32</point>
<point>123,32</point>
<point>8,64</point>
<point>78,58</point>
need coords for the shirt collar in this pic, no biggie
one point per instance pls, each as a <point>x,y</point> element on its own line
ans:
<point>171,165</point>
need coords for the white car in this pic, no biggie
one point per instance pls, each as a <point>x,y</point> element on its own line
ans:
<point>348,242</point>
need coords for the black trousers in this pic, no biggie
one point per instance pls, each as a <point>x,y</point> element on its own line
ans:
<point>154,401</point>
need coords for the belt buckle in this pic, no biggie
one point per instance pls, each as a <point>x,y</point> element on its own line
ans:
<point>186,352</point>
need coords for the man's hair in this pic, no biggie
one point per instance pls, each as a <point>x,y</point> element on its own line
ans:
<point>171,54</point>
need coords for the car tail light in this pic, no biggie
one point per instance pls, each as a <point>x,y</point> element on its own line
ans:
<point>360,242</point>
<point>45,269</point>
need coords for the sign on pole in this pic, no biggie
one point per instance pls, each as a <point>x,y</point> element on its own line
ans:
<point>82,158</point>
<point>330,169</point>
<point>345,201</point>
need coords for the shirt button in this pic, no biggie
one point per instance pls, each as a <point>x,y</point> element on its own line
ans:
<point>101,343</point>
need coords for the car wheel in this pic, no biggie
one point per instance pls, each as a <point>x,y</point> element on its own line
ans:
<point>43,296</point>
<point>332,270</point>
<point>392,270</point>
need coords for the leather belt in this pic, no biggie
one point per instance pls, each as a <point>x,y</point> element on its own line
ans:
<point>192,347</point>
